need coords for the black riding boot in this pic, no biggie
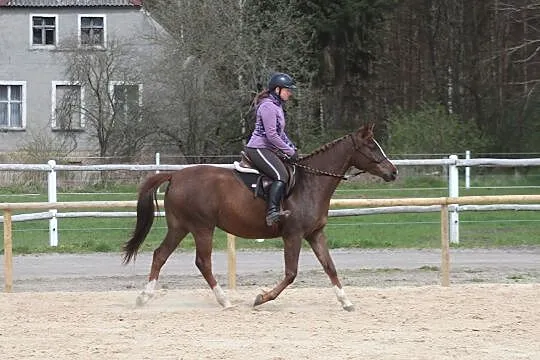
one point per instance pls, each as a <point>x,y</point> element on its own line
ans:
<point>275,195</point>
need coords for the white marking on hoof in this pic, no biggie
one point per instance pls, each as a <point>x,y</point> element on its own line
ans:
<point>142,299</point>
<point>221,297</point>
<point>231,307</point>
<point>146,294</point>
<point>343,299</point>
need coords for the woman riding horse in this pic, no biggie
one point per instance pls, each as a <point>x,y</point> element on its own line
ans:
<point>200,198</point>
<point>269,141</point>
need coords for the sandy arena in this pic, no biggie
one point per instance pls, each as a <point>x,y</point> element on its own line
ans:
<point>406,320</point>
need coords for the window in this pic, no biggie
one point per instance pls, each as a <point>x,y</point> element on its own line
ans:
<point>67,106</point>
<point>92,30</point>
<point>127,100</point>
<point>12,105</point>
<point>44,32</point>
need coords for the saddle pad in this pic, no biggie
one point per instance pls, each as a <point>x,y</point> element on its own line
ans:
<point>243,169</point>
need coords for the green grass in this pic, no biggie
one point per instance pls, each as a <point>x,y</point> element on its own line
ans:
<point>477,229</point>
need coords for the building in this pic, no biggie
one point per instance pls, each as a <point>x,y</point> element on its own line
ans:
<point>37,37</point>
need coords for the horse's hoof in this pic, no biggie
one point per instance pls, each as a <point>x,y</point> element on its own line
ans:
<point>143,299</point>
<point>348,307</point>
<point>258,300</point>
<point>229,307</point>
<point>140,301</point>
<point>225,304</point>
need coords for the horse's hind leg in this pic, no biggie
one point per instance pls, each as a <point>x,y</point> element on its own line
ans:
<point>203,260</point>
<point>317,240</point>
<point>161,254</point>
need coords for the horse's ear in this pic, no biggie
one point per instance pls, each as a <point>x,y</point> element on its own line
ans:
<point>366,131</point>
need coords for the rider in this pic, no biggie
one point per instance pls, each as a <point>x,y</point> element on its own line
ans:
<point>269,143</point>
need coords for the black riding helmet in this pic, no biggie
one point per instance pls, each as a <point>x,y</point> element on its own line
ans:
<point>281,80</point>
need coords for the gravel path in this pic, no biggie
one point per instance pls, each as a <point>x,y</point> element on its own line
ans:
<point>379,268</point>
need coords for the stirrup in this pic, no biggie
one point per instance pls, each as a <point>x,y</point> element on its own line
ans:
<point>274,216</point>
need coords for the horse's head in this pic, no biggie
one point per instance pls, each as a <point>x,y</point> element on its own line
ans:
<point>369,156</point>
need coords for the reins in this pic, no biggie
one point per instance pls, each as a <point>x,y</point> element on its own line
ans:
<point>327,173</point>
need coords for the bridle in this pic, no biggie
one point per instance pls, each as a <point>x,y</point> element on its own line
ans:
<point>359,149</point>
<point>341,176</point>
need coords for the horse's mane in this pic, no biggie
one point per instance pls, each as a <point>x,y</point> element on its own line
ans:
<point>325,147</point>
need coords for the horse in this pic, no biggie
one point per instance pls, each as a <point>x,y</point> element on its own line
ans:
<point>202,197</point>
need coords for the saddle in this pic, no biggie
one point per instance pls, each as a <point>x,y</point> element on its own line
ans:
<point>258,182</point>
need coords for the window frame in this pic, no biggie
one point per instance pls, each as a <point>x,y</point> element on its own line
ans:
<point>56,83</point>
<point>31,31</point>
<point>23,102</point>
<point>114,83</point>
<point>79,38</point>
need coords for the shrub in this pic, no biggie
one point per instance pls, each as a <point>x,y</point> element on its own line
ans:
<point>431,129</point>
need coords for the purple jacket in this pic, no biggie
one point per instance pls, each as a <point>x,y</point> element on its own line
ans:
<point>269,130</point>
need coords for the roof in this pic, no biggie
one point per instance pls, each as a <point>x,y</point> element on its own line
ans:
<point>69,3</point>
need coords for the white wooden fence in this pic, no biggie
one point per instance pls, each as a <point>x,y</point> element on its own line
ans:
<point>448,206</point>
<point>452,164</point>
<point>443,202</point>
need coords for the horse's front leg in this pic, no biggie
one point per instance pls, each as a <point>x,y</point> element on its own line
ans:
<point>317,240</point>
<point>291,252</point>
<point>203,261</point>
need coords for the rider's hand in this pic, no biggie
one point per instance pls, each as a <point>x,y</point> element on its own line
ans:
<point>294,157</point>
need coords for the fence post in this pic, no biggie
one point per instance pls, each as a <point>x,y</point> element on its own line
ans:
<point>445,247</point>
<point>8,252</point>
<point>158,162</point>
<point>51,193</point>
<point>231,252</point>
<point>453,191</point>
<point>467,170</point>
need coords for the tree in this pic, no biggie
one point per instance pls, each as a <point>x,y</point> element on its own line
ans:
<point>478,59</point>
<point>355,61</point>
<point>519,54</point>
<point>215,73</point>
<point>197,84</point>
<point>346,35</point>
<point>104,98</point>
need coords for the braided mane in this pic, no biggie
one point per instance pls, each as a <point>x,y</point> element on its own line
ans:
<point>325,147</point>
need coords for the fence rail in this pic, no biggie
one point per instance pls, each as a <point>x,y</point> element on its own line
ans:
<point>52,165</point>
<point>443,202</point>
<point>448,206</point>
<point>452,163</point>
<point>462,200</point>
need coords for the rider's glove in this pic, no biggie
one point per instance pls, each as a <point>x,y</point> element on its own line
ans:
<point>294,157</point>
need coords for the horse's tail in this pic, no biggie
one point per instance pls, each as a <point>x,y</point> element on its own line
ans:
<point>145,214</point>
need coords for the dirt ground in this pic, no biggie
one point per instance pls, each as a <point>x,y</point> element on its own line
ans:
<point>61,310</point>
<point>475,321</point>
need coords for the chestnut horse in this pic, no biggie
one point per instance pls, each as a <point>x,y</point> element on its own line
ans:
<point>200,198</point>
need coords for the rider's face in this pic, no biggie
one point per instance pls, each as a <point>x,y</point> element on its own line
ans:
<point>285,93</point>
